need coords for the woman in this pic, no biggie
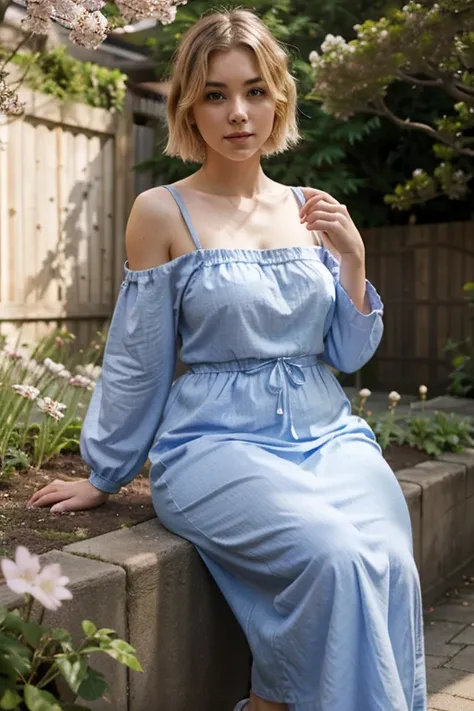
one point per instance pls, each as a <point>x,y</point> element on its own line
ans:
<point>255,456</point>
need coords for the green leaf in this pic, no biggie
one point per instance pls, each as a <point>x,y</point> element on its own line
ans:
<point>40,700</point>
<point>33,633</point>
<point>94,685</point>
<point>74,671</point>
<point>123,657</point>
<point>10,700</point>
<point>89,628</point>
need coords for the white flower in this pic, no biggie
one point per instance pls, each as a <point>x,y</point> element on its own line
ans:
<point>331,42</point>
<point>313,58</point>
<point>49,588</point>
<point>422,389</point>
<point>21,574</point>
<point>51,407</point>
<point>64,374</point>
<point>90,370</point>
<point>27,391</point>
<point>365,393</point>
<point>384,34</point>
<point>416,172</point>
<point>82,382</point>
<point>394,396</point>
<point>52,366</point>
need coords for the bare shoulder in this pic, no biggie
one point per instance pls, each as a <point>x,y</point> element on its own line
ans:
<point>150,227</point>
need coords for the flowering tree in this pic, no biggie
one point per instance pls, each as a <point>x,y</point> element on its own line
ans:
<point>425,45</point>
<point>88,24</point>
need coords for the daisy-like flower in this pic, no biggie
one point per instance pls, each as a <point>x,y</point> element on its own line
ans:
<point>50,587</point>
<point>51,407</point>
<point>89,371</point>
<point>64,374</point>
<point>80,381</point>
<point>394,396</point>
<point>27,391</point>
<point>422,389</point>
<point>365,393</point>
<point>53,367</point>
<point>21,574</point>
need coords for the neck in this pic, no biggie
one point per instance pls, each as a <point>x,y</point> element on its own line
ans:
<point>232,178</point>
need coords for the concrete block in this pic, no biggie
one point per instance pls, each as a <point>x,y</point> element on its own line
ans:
<point>412,493</point>
<point>443,518</point>
<point>466,459</point>
<point>98,591</point>
<point>194,654</point>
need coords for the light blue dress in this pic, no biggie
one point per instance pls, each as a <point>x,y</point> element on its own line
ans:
<point>258,461</point>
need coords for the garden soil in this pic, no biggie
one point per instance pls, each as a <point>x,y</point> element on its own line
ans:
<point>41,531</point>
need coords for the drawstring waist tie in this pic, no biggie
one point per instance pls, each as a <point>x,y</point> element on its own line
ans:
<point>282,370</point>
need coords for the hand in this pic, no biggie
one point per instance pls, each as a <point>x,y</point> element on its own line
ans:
<point>68,496</point>
<point>323,213</point>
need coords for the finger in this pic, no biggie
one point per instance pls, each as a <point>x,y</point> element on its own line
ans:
<point>52,486</point>
<point>313,194</point>
<point>321,203</point>
<point>41,492</point>
<point>324,226</point>
<point>316,217</point>
<point>50,498</point>
<point>76,503</point>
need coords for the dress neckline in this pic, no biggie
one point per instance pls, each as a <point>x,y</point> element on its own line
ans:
<point>221,255</point>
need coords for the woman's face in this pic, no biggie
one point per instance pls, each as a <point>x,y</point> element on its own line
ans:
<point>235,114</point>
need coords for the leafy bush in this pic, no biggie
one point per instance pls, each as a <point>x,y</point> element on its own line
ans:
<point>68,79</point>
<point>431,433</point>
<point>444,432</point>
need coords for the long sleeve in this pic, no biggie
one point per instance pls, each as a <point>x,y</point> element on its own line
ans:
<point>137,373</point>
<point>351,337</point>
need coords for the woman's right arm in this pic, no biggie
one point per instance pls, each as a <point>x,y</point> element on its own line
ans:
<point>138,368</point>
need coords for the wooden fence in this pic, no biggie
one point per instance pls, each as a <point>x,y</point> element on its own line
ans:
<point>66,187</point>
<point>419,271</point>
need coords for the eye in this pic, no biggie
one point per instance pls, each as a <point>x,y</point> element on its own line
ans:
<point>256,92</point>
<point>214,96</point>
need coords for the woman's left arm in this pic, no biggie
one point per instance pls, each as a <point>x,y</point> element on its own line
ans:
<point>356,327</point>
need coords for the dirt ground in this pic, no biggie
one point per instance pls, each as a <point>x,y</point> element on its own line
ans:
<point>41,531</point>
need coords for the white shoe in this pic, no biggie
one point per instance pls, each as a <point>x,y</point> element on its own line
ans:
<point>242,705</point>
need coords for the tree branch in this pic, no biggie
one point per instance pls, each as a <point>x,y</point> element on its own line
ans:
<point>458,91</point>
<point>381,109</point>
<point>420,82</point>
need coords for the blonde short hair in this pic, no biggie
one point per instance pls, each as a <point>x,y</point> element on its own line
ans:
<point>223,31</point>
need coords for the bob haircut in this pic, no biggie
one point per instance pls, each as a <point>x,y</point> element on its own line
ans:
<point>222,31</point>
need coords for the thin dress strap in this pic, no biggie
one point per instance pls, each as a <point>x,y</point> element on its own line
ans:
<point>299,195</point>
<point>184,212</point>
<point>300,198</point>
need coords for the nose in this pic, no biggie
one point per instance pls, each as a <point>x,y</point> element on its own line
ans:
<point>238,114</point>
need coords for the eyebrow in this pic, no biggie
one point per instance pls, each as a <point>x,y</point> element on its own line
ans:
<point>222,85</point>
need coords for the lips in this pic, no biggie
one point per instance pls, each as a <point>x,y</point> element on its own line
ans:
<point>243,134</point>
